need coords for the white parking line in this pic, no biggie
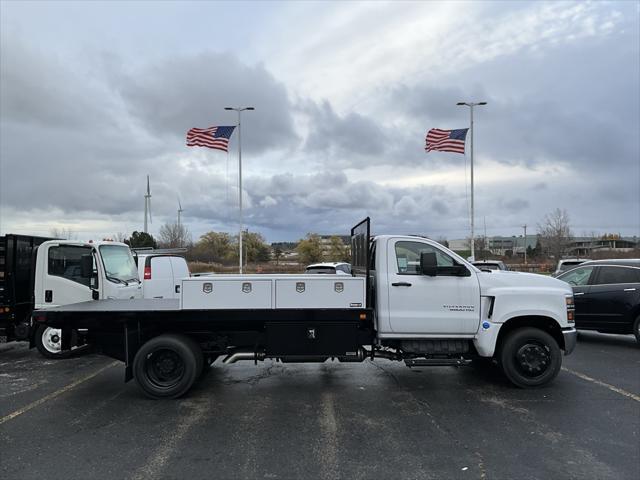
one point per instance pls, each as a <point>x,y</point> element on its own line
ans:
<point>602,384</point>
<point>53,395</point>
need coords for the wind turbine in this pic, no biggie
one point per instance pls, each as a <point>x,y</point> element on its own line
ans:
<point>147,207</point>
<point>180,210</point>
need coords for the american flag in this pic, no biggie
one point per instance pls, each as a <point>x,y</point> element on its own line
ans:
<point>446,140</point>
<point>212,137</point>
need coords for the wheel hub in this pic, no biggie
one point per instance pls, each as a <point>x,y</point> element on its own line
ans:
<point>533,359</point>
<point>165,368</point>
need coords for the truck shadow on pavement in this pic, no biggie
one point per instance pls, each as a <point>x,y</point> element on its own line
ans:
<point>614,340</point>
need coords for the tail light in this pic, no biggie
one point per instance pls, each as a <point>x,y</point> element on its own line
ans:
<point>147,273</point>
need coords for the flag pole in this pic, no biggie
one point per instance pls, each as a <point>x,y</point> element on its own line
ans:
<point>473,250</point>
<point>471,105</point>
<point>240,185</point>
<point>240,109</point>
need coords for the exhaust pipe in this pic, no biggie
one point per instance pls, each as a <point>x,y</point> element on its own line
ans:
<point>243,355</point>
<point>386,354</point>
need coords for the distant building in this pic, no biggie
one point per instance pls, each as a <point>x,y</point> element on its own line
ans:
<point>586,246</point>
<point>579,246</point>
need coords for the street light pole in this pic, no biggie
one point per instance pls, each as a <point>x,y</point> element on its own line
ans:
<point>525,243</point>
<point>240,109</point>
<point>471,105</point>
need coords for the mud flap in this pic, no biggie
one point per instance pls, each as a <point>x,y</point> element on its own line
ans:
<point>131,346</point>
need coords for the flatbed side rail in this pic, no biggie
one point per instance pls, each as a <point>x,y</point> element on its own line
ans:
<point>360,245</point>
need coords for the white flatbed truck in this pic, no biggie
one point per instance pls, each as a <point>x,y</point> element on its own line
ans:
<point>409,299</point>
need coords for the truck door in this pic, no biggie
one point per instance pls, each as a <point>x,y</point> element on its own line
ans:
<point>62,282</point>
<point>180,271</point>
<point>420,304</point>
<point>158,283</point>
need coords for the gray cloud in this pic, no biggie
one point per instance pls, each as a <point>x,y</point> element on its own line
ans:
<point>352,134</point>
<point>171,96</point>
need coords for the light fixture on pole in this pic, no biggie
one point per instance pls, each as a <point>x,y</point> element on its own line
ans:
<point>471,105</point>
<point>240,109</point>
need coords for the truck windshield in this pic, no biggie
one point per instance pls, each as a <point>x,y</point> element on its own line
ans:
<point>118,263</point>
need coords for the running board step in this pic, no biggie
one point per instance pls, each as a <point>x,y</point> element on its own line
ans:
<point>437,362</point>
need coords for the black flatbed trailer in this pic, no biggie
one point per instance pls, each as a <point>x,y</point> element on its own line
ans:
<point>119,328</point>
<point>17,269</point>
<point>165,347</point>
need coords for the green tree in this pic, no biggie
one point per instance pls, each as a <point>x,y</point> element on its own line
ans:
<point>214,247</point>
<point>141,240</point>
<point>338,251</point>
<point>310,249</point>
<point>277,254</point>
<point>255,248</point>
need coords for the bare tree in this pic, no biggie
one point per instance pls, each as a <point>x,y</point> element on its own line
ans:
<point>120,237</point>
<point>64,233</point>
<point>172,235</point>
<point>555,233</point>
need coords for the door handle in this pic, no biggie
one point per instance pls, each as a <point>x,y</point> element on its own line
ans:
<point>629,289</point>
<point>401,284</point>
<point>579,293</point>
<point>177,288</point>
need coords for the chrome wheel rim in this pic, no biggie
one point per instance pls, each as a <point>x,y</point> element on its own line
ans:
<point>51,340</point>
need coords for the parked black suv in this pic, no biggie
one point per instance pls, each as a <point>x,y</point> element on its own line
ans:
<point>607,295</point>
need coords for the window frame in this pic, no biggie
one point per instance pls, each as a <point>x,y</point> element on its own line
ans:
<point>602,267</point>
<point>53,248</point>
<point>591,277</point>
<point>441,268</point>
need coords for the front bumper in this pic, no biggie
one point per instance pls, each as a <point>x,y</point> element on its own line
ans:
<point>570,339</point>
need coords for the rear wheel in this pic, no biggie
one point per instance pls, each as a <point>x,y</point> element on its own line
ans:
<point>167,366</point>
<point>530,357</point>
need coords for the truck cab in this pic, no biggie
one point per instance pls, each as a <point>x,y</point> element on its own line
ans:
<point>69,272</point>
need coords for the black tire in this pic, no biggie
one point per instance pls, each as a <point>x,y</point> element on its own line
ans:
<point>530,357</point>
<point>47,342</point>
<point>167,366</point>
<point>636,329</point>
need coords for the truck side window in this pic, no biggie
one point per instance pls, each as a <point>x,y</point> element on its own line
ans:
<point>64,261</point>
<point>408,257</point>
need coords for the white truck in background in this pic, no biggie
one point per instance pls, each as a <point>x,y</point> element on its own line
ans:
<point>40,273</point>
<point>69,271</point>
<point>161,272</point>
<point>410,299</point>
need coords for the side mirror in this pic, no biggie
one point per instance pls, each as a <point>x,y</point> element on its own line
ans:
<point>428,264</point>
<point>86,266</point>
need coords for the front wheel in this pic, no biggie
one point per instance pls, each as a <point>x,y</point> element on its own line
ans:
<point>530,357</point>
<point>49,342</point>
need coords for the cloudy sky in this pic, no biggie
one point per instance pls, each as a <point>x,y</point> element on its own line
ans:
<point>94,96</point>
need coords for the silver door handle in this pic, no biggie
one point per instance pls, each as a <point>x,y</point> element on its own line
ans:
<point>579,293</point>
<point>629,289</point>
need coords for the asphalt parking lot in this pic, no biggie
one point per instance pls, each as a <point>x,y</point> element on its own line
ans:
<point>75,418</point>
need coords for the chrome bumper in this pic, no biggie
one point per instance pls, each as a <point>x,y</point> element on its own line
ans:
<point>570,338</point>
